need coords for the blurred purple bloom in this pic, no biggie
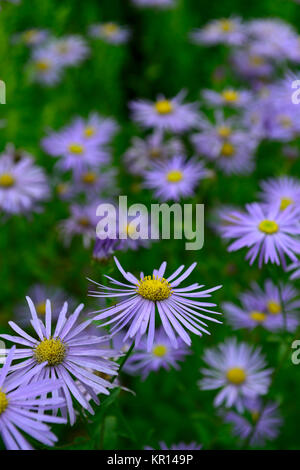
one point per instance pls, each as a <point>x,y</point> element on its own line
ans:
<point>82,221</point>
<point>110,32</point>
<point>179,446</point>
<point>70,50</point>
<point>229,31</point>
<point>155,3</point>
<point>46,67</point>
<point>283,192</point>
<point>229,97</point>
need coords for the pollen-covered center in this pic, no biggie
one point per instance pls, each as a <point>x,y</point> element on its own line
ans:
<point>89,177</point>
<point>51,350</point>
<point>230,96</point>
<point>154,288</point>
<point>160,350</point>
<point>227,26</point>
<point>41,308</point>
<point>76,149</point>
<point>3,402</point>
<point>224,131</point>
<point>236,375</point>
<point>110,28</point>
<point>174,176</point>
<point>164,106</point>
<point>285,202</point>
<point>227,149</point>
<point>43,65</point>
<point>268,226</point>
<point>258,316</point>
<point>7,180</point>
<point>274,307</point>
<point>89,131</point>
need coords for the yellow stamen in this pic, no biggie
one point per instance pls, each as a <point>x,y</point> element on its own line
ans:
<point>160,350</point>
<point>163,106</point>
<point>285,202</point>
<point>274,307</point>
<point>155,153</point>
<point>285,121</point>
<point>174,176</point>
<point>84,221</point>
<point>154,288</point>
<point>62,188</point>
<point>29,35</point>
<point>226,26</point>
<point>255,415</point>
<point>43,65</point>
<point>110,28</point>
<point>41,308</point>
<point>89,177</point>
<point>224,131</point>
<point>236,375</point>
<point>89,131</point>
<point>259,317</point>
<point>3,402</point>
<point>256,60</point>
<point>6,180</point>
<point>76,148</point>
<point>230,96</point>
<point>268,226</point>
<point>227,149</point>
<point>51,350</point>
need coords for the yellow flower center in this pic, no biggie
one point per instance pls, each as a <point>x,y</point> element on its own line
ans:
<point>43,65</point>
<point>62,188</point>
<point>6,180</point>
<point>29,35</point>
<point>164,106</point>
<point>236,375</point>
<point>77,149</point>
<point>89,177</point>
<point>84,221</point>
<point>160,350</point>
<point>274,307</point>
<point>258,316</point>
<point>255,416</point>
<point>155,153</point>
<point>51,350</point>
<point>110,28</point>
<point>268,226</point>
<point>129,229</point>
<point>226,26</point>
<point>256,60</point>
<point>285,121</point>
<point>3,402</point>
<point>41,308</point>
<point>174,176</point>
<point>285,202</point>
<point>224,131</point>
<point>89,131</point>
<point>154,288</point>
<point>63,48</point>
<point>227,149</point>
<point>230,96</point>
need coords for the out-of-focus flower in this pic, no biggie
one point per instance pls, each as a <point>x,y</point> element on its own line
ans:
<point>64,351</point>
<point>250,65</point>
<point>295,267</point>
<point>238,369</point>
<point>176,306</point>
<point>260,422</point>
<point>283,192</point>
<point>166,114</point>
<point>229,97</point>
<point>31,37</point>
<point>269,233</point>
<point>82,221</point>
<point>110,32</point>
<point>70,50</point>
<point>46,67</point>
<point>154,3</point>
<point>179,446</point>
<point>175,178</point>
<point>274,308</point>
<point>22,184</point>
<point>221,31</point>
<point>96,128</point>
<point>21,410</point>
<point>163,355</point>
<point>95,184</point>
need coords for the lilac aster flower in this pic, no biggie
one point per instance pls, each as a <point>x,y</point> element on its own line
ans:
<point>177,309</point>
<point>273,308</point>
<point>221,31</point>
<point>22,184</point>
<point>175,178</point>
<point>154,3</point>
<point>144,152</point>
<point>82,221</point>
<point>179,446</point>
<point>163,355</point>
<point>96,128</point>
<point>95,184</point>
<point>166,114</point>
<point>103,249</point>
<point>45,66</point>
<point>63,351</point>
<point>283,192</point>
<point>270,234</point>
<point>259,422</point>
<point>70,50</point>
<point>229,97</point>
<point>250,65</point>
<point>238,369</point>
<point>110,32</point>
<point>21,410</point>
<point>77,152</point>
<point>31,37</point>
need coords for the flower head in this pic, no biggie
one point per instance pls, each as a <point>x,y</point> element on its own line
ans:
<point>82,221</point>
<point>46,67</point>
<point>70,50</point>
<point>221,31</point>
<point>110,32</point>
<point>283,192</point>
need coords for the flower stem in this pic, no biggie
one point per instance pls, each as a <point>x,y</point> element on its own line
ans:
<point>124,359</point>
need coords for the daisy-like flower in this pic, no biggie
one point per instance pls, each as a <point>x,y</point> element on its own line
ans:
<point>179,446</point>
<point>272,307</point>
<point>229,97</point>
<point>31,37</point>
<point>103,249</point>
<point>21,412</point>
<point>250,65</point>
<point>259,422</point>
<point>64,351</point>
<point>176,306</point>
<point>110,32</point>
<point>144,152</point>
<point>95,184</point>
<point>96,128</point>
<point>221,31</point>
<point>70,50</point>
<point>238,369</point>
<point>77,152</point>
<point>269,233</point>
<point>82,221</point>
<point>283,192</point>
<point>46,67</point>
<point>175,178</point>
<point>163,355</point>
<point>154,3</point>
<point>22,184</point>
<point>166,114</point>
<point>39,294</point>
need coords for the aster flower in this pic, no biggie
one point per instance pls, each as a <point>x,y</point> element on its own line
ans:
<point>63,351</point>
<point>95,184</point>
<point>229,97</point>
<point>259,422</point>
<point>31,37</point>
<point>103,249</point>
<point>177,309</point>
<point>166,114</point>
<point>272,307</point>
<point>144,152</point>
<point>110,32</point>
<point>179,446</point>
<point>82,221</point>
<point>22,184</point>
<point>175,178</point>
<point>283,192</point>
<point>250,65</point>
<point>163,355</point>
<point>221,31</point>
<point>238,369</point>
<point>154,3</point>
<point>70,50</point>
<point>96,128</point>
<point>270,234</point>
<point>21,412</point>
<point>46,67</point>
